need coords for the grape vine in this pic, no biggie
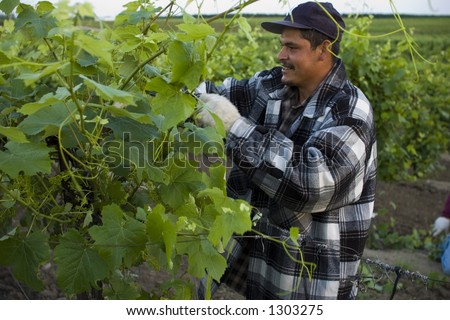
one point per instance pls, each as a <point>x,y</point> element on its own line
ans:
<point>99,162</point>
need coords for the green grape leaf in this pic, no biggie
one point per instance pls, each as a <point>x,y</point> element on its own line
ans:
<point>153,173</point>
<point>220,128</point>
<point>4,59</point>
<point>133,128</point>
<point>29,158</point>
<point>245,26</point>
<point>182,289</point>
<point>133,147</point>
<point>39,26</point>
<point>206,141</point>
<point>13,134</point>
<point>121,112</point>
<point>139,16</point>
<point>187,210</point>
<point>25,256</point>
<point>120,239</point>
<point>203,259</point>
<point>176,107</point>
<point>48,118</point>
<point>19,90</point>
<point>187,67</point>
<point>85,9</point>
<point>234,217</point>
<point>159,226</point>
<point>44,7</point>
<point>127,34</point>
<point>8,201</point>
<point>97,48</point>
<point>109,93</point>
<point>46,100</point>
<point>79,267</point>
<point>122,288</point>
<point>217,177</point>
<point>30,78</point>
<point>187,18</point>
<point>8,26</point>
<point>7,6</point>
<point>85,59</point>
<point>115,193</point>
<point>183,180</point>
<point>194,31</point>
<point>170,102</point>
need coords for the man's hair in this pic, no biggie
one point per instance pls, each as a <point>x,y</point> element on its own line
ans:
<point>316,39</point>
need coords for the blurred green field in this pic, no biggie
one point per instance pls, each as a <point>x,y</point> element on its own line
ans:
<point>424,25</point>
<point>432,34</point>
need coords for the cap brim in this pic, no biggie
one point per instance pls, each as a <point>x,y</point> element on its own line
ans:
<point>278,26</point>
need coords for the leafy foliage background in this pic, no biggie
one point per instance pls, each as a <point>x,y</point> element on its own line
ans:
<point>98,151</point>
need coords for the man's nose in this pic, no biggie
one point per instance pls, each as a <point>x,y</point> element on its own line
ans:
<point>282,55</point>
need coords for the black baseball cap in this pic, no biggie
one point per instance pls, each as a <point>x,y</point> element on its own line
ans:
<point>310,16</point>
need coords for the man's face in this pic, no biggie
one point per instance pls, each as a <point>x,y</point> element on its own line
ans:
<point>298,59</point>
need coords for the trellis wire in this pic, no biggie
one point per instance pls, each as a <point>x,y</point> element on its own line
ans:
<point>399,271</point>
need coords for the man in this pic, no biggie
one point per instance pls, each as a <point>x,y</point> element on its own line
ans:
<point>303,147</point>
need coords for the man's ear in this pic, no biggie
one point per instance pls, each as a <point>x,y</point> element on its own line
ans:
<point>325,49</point>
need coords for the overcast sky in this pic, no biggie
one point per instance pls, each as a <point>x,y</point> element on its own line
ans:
<point>110,8</point>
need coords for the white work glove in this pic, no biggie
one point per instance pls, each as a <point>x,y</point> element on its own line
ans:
<point>441,224</point>
<point>220,106</point>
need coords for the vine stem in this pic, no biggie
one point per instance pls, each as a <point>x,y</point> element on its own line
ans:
<point>402,29</point>
<point>72,93</point>
<point>224,13</point>
<point>142,64</point>
<point>33,210</point>
<point>239,8</point>
<point>67,85</point>
<point>154,56</point>
<point>168,7</point>
<point>166,43</point>
<point>52,198</point>
<point>286,248</point>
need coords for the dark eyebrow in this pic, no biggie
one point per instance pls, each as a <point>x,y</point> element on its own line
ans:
<point>288,43</point>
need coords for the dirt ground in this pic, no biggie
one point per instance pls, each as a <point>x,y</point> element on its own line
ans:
<point>413,205</point>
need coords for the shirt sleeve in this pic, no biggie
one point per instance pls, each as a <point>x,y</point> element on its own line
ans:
<point>446,211</point>
<point>326,173</point>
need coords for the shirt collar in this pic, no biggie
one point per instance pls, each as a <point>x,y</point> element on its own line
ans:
<point>333,83</point>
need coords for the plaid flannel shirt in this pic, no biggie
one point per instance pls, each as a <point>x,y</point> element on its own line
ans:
<point>318,176</point>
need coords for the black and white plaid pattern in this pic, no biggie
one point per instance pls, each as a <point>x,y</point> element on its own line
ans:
<point>318,176</point>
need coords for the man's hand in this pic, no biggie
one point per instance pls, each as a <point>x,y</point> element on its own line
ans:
<point>441,224</point>
<point>220,106</point>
